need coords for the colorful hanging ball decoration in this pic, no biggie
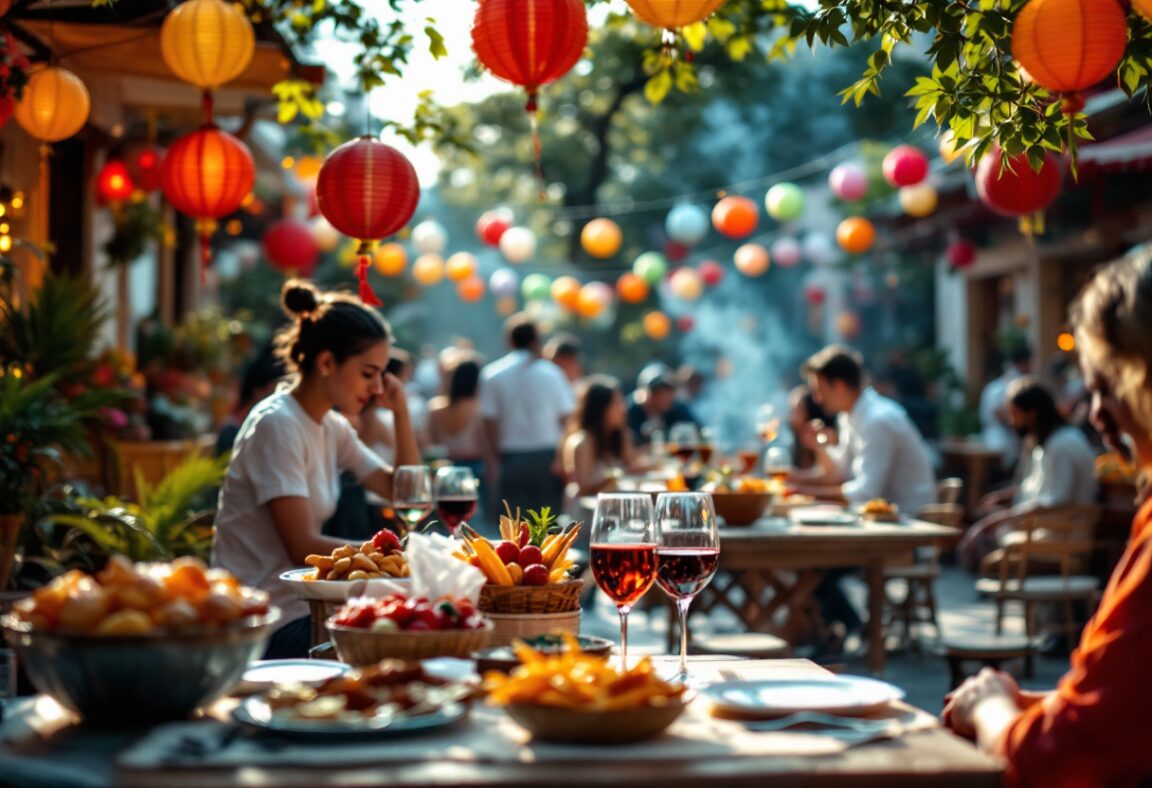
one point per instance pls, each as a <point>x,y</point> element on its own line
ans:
<point>671,14</point>
<point>518,244</point>
<point>686,284</point>
<point>492,225</point>
<point>601,238</point>
<point>114,183</point>
<point>651,267</point>
<point>949,152</point>
<point>848,182</point>
<point>207,174</point>
<point>428,269</point>
<point>711,273</point>
<point>785,202</point>
<point>688,224</point>
<point>1143,7</point>
<point>815,294</point>
<point>536,287</point>
<point>848,325</point>
<point>529,42</point>
<point>675,252</point>
<point>326,236</point>
<point>905,165</point>
<point>504,283</point>
<point>391,259</point>
<point>566,292</point>
<point>595,298</point>
<point>1017,190</point>
<point>786,252</point>
<point>632,288</point>
<point>207,42</point>
<point>919,200</point>
<point>961,254</point>
<point>470,289</point>
<point>752,260</point>
<point>657,325</point>
<point>429,237</point>
<point>55,104</point>
<point>290,248</point>
<point>460,266</point>
<point>735,217</point>
<point>855,235</point>
<point>1069,45</point>
<point>819,250</point>
<point>368,191</point>
<point>685,323</point>
<point>146,165</point>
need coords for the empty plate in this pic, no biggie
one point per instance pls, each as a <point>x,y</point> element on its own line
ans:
<point>823,515</point>
<point>846,695</point>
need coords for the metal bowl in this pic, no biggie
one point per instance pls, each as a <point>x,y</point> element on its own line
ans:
<point>139,679</point>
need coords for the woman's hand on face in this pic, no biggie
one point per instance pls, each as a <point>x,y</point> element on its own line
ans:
<point>392,397</point>
<point>960,704</point>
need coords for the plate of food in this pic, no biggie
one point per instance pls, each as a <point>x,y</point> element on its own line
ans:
<point>879,510</point>
<point>504,658</point>
<point>823,515</point>
<point>394,697</point>
<point>841,695</point>
<point>332,578</point>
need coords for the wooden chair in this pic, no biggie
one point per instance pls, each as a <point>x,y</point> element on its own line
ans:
<point>1045,561</point>
<point>917,604</point>
<point>151,460</point>
<point>949,490</point>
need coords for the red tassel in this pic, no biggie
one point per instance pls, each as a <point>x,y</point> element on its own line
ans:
<point>205,257</point>
<point>537,147</point>
<point>366,295</point>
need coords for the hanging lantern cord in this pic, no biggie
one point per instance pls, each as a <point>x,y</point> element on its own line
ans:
<point>207,104</point>
<point>366,295</point>
<point>537,148</point>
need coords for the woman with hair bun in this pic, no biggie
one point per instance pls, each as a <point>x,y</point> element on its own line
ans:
<point>284,478</point>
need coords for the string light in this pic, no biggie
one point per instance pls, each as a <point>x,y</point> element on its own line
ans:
<point>1066,342</point>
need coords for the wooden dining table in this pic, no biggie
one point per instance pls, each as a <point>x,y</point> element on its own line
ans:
<point>43,746</point>
<point>975,462</point>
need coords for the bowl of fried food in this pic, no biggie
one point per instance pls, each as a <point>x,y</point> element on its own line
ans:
<point>879,510</point>
<point>139,643</point>
<point>578,698</point>
<point>741,502</point>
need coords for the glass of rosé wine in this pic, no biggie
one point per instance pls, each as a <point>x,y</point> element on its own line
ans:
<point>623,546</point>
<point>455,490</point>
<point>687,554</point>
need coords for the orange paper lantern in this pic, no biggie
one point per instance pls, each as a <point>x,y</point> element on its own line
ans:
<point>1069,45</point>
<point>428,269</point>
<point>55,104</point>
<point>601,238</point>
<point>632,288</point>
<point>735,217</point>
<point>470,289</point>
<point>460,266</point>
<point>672,14</point>
<point>855,235</point>
<point>657,325</point>
<point>1143,7</point>
<point>391,259</point>
<point>751,259</point>
<point>566,292</point>
<point>207,42</point>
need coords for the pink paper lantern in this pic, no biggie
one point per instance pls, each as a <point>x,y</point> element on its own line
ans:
<point>905,165</point>
<point>711,273</point>
<point>848,182</point>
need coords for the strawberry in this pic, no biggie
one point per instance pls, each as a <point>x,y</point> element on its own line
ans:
<point>387,542</point>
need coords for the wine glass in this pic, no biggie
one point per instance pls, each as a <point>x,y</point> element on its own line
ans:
<point>412,494</point>
<point>777,463</point>
<point>707,445</point>
<point>682,440</point>
<point>623,546</point>
<point>687,554</point>
<point>767,422</point>
<point>455,491</point>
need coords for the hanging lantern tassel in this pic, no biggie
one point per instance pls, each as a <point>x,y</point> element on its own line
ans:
<point>366,295</point>
<point>537,147</point>
<point>205,228</point>
<point>207,105</point>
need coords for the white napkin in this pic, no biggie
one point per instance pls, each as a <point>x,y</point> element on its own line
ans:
<point>434,571</point>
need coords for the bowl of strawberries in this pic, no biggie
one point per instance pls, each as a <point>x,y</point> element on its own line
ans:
<point>366,630</point>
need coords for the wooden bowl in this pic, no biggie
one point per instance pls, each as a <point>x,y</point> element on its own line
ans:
<point>357,646</point>
<point>572,726</point>
<point>740,508</point>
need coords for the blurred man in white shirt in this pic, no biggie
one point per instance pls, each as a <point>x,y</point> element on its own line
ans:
<point>995,430</point>
<point>525,400</point>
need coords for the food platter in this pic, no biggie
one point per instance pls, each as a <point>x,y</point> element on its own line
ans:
<point>334,590</point>
<point>256,712</point>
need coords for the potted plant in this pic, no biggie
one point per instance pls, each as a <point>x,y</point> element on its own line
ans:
<point>36,425</point>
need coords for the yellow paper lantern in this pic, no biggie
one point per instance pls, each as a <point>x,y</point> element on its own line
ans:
<point>55,104</point>
<point>428,269</point>
<point>673,13</point>
<point>207,42</point>
<point>919,200</point>
<point>460,266</point>
<point>566,292</point>
<point>391,259</point>
<point>657,325</point>
<point>601,238</point>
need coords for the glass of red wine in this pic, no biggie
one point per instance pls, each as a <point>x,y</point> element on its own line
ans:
<point>455,491</point>
<point>623,546</point>
<point>687,554</point>
<point>412,494</point>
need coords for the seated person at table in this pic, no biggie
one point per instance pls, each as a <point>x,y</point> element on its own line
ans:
<point>1057,467</point>
<point>806,419</point>
<point>654,404</point>
<point>597,440</point>
<point>1095,727</point>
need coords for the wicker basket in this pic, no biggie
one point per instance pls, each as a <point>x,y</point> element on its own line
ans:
<point>364,647</point>
<point>558,598</point>
<point>510,626</point>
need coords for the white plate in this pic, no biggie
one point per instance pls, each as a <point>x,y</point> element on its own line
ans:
<point>823,515</point>
<point>331,590</point>
<point>289,671</point>
<point>846,695</point>
<point>255,712</point>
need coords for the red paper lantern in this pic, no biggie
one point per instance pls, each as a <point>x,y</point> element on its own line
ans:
<point>1018,190</point>
<point>1069,45</point>
<point>147,167</point>
<point>113,183</point>
<point>711,273</point>
<point>905,165</point>
<point>4,6</point>
<point>207,174</point>
<point>291,248</point>
<point>961,254</point>
<point>367,190</point>
<point>491,225</point>
<point>529,42</point>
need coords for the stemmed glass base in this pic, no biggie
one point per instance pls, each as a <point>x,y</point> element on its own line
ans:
<point>623,610</point>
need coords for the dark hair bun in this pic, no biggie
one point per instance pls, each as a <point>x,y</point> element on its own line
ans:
<point>299,297</point>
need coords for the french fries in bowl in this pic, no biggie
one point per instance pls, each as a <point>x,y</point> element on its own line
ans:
<point>580,698</point>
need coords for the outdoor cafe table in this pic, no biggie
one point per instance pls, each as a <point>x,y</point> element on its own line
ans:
<point>773,566</point>
<point>40,745</point>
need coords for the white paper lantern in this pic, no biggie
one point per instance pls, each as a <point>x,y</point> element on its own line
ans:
<point>786,252</point>
<point>504,283</point>
<point>429,237</point>
<point>518,244</point>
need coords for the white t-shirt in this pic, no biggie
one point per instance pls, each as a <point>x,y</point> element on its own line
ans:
<point>281,452</point>
<point>884,456</point>
<point>997,435</point>
<point>1062,471</point>
<point>529,397</point>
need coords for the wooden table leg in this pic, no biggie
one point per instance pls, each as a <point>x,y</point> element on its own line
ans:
<point>876,654</point>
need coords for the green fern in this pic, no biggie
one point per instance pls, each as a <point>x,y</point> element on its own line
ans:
<point>56,329</point>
